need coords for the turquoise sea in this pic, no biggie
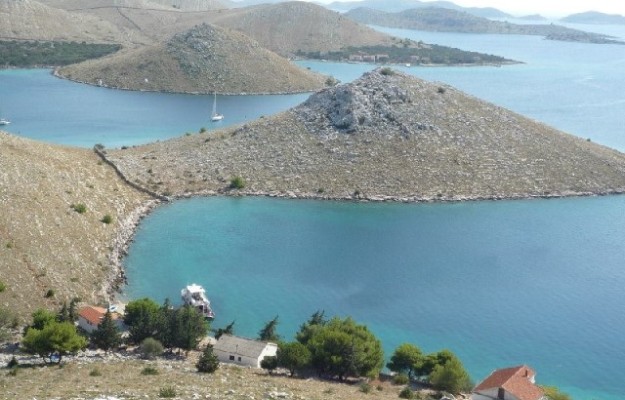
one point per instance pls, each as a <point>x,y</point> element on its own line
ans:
<point>500,283</point>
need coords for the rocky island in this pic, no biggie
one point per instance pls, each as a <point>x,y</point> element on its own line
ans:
<point>387,135</point>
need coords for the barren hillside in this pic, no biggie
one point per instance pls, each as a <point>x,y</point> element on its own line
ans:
<point>28,19</point>
<point>386,135</point>
<point>288,27</point>
<point>204,59</point>
<point>45,244</point>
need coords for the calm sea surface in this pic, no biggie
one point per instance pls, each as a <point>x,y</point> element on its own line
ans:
<point>500,283</point>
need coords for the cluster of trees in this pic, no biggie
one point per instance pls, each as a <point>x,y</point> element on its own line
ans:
<point>431,54</point>
<point>180,328</point>
<point>19,53</point>
<point>341,348</point>
<point>53,335</point>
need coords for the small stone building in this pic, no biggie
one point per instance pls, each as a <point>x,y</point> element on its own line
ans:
<point>243,351</point>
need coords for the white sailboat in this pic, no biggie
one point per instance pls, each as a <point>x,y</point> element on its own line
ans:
<point>216,116</point>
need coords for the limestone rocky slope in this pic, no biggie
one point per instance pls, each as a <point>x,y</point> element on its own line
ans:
<point>385,135</point>
<point>45,244</point>
<point>204,59</point>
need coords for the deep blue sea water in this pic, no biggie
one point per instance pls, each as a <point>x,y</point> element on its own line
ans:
<point>500,283</point>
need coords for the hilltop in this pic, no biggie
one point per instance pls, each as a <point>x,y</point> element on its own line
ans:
<point>47,244</point>
<point>204,59</point>
<point>385,136</point>
<point>446,20</point>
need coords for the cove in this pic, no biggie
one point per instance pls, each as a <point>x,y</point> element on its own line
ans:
<point>499,283</point>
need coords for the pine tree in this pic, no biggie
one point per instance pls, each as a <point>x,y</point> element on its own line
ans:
<point>106,336</point>
<point>228,330</point>
<point>268,333</point>
<point>208,361</point>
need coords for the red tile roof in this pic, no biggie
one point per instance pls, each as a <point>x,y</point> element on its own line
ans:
<point>514,380</point>
<point>92,314</point>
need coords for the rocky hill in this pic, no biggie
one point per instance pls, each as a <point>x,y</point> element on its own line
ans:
<point>385,136</point>
<point>205,59</point>
<point>288,27</point>
<point>445,20</point>
<point>401,5</point>
<point>47,244</point>
<point>32,20</point>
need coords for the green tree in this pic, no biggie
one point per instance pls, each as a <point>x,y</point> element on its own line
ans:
<point>63,315</point>
<point>293,356</point>
<point>307,329</point>
<point>72,312</point>
<point>106,336</point>
<point>228,330</point>
<point>343,348</point>
<point>451,377</point>
<point>268,333</point>
<point>41,318</point>
<point>432,360</point>
<point>141,316</point>
<point>270,363</point>
<point>208,361</point>
<point>165,325</point>
<point>189,327</point>
<point>55,339</point>
<point>406,359</point>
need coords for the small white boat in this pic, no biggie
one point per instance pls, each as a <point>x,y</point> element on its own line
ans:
<point>195,296</point>
<point>4,121</point>
<point>216,116</point>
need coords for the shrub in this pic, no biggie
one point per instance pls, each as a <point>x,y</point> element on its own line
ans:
<point>387,71</point>
<point>406,393</point>
<point>12,363</point>
<point>237,183</point>
<point>13,371</point>
<point>365,387</point>
<point>3,287</point>
<point>168,392</point>
<point>379,388</point>
<point>440,90</point>
<point>401,379</point>
<point>95,372</point>
<point>107,219</point>
<point>149,371</point>
<point>150,348</point>
<point>49,293</point>
<point>80,208</point>
<point>208,361</point>
<point>202,130</point>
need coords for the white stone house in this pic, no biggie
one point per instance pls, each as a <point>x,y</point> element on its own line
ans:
<point>243,351</point>
<point>515,383</point>
<point>89,318</point>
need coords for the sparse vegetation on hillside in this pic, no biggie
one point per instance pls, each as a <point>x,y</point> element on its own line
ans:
<point>23,54</point>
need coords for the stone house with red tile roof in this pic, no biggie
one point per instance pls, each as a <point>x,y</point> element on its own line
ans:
<point>515,383</point>
<point>89,318</point>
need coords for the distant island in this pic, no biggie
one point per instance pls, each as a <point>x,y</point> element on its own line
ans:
<point>446,20</point>
<point>401,5</point>
<point>594,17</point>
